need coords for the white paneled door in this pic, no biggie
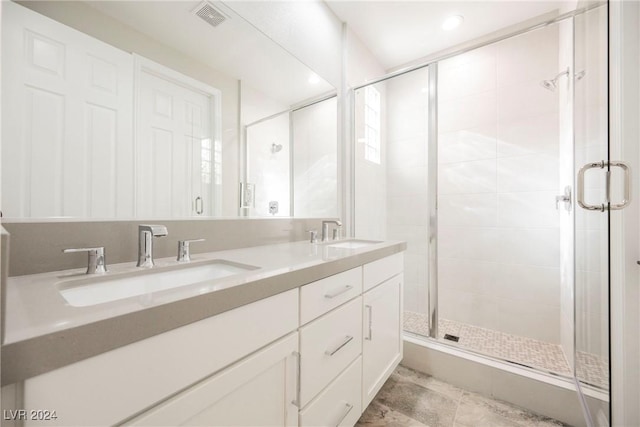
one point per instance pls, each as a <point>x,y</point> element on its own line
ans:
<point>174,144</point>
<point>67,121</point>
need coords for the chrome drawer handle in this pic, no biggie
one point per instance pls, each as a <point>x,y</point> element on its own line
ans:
<point>340,292</point>
<point>296,402</point>
<point>349,408</point>
<point>369,336</point>
<point>346,341</point>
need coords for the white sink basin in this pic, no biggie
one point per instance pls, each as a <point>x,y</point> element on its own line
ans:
<point>353,244</point>
<point>98,290</point>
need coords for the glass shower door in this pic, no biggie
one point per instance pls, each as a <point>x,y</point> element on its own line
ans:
<point>593,168</point>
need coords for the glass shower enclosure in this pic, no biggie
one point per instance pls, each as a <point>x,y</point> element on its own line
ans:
<point>473,160</point>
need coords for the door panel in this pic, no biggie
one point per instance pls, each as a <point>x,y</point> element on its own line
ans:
<point>174,148</point>
<point>67,110</point>
<point>592,226</point>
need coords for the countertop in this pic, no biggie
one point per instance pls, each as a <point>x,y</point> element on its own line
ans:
<point>43,332</point>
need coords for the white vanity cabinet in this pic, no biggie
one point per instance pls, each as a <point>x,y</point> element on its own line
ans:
<point>382,331</point>
<point>260,390</point>
<point>351,349</point>
<point>311,356</point>
<point>116,386</point>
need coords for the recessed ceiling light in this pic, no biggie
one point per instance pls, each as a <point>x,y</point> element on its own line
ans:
<point>314,79</point>
<point>452,22</point>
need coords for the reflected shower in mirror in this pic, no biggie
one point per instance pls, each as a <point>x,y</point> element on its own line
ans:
<point>292,163</point>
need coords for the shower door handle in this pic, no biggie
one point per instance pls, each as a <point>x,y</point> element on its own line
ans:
<point>607,205</point>
<point>580,192</point>
<point>627,185</point>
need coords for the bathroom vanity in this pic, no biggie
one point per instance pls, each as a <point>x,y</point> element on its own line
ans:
<point>306,336</point>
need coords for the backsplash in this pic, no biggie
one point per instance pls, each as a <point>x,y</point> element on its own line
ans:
<point>36,247</point>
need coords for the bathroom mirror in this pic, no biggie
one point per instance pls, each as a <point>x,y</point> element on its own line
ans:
<point>144,109</point>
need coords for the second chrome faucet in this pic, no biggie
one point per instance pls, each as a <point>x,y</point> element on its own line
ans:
<point>146,233</point>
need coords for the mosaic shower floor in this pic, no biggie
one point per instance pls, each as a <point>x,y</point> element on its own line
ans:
<point>526,351</point>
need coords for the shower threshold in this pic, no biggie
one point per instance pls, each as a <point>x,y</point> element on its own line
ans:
<point>529,352</point>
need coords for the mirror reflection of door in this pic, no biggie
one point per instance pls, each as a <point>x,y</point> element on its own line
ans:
<point>174,145</point>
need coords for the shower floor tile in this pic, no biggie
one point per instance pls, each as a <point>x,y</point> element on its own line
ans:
<point>523,350</point>
<point>592,369</point>
<point>411,398</point>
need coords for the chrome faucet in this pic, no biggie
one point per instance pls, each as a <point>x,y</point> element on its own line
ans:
<point>146,233</point>
<point>325,229</point>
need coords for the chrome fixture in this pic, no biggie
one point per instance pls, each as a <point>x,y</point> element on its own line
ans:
<point>146,233</point>
<point>275,148</point>
<point>313,236</point>
<point>184,252</point>
<point>565,198</point>
<point>96,263</point>
<point>607,205</point>
<point>552,84</point>
<point>325,229</point>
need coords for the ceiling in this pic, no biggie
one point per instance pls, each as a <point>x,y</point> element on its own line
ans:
<point>398,32</point>
<point>254,58</point>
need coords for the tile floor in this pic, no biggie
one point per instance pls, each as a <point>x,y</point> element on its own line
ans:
<point>410,398</point>
<point>526,351</point>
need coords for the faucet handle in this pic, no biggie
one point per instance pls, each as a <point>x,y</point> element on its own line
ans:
<point>96,263</point>
<point>336,232</point>
<point>184,254</point>
<point>313,235</point>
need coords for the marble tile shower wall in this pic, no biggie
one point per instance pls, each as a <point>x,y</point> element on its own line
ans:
<point>406,200</point>
<point>498,137</point>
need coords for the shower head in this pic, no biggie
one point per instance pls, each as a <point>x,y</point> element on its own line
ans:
<point>552,84</point>
<point>276,147</point>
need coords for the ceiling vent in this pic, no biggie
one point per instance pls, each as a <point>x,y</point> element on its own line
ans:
<point>210,14</point>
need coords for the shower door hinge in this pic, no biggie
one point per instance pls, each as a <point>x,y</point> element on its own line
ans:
<point>607,205</point>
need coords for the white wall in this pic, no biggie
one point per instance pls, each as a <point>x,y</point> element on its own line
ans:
<point>498,244</point>
<point>315,160</point>
<point>370,197</point>
<point>307,29</point>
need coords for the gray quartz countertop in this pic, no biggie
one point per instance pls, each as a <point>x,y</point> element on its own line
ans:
<point>44,332</point>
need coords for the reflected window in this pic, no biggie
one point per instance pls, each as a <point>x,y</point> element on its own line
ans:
<point>205,162</point>
<point>372,125</point>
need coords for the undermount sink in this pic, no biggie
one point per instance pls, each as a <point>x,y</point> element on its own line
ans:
<point>353,244</point>
<point>102,289</point>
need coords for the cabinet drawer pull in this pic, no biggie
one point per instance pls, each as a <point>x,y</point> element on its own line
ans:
<point>340,292</point>
<point>346,341</point>
<point>349,408</point>
<point>369,336</point>
<point>296,402</point>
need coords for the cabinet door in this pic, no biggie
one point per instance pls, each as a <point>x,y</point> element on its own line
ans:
<point>382,332</point>
<point>257,391</point>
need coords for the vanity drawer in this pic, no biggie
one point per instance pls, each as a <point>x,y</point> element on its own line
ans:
<point>340,403</point>
<point>324,295</point>
<point>327,346</point>
<point>379,271</point>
